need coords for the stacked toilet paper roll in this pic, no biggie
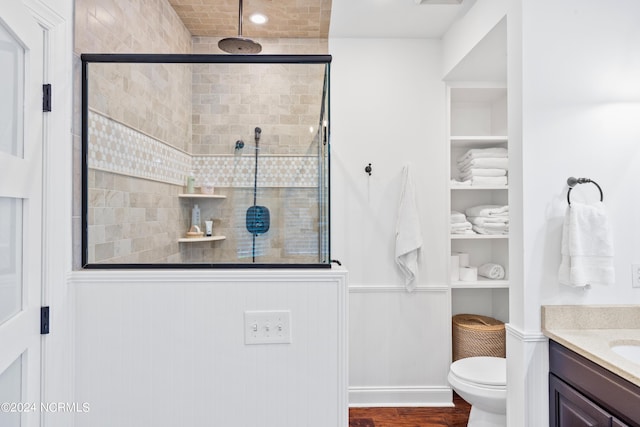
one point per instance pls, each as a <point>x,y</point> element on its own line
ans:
<point>468,274</point>
<point>463,257</point>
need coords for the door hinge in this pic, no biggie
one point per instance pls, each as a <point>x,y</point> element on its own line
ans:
<point>46,97</point>
<point>44,320</point>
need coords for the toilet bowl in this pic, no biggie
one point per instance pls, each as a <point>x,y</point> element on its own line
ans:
<point>482,382</point>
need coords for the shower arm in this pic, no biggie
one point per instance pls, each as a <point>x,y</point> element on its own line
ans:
<point>240,19</point>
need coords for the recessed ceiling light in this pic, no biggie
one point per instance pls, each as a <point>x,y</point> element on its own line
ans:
<point>258,18</point>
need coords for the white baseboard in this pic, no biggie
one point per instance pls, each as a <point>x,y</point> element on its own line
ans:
<point>409,396</point>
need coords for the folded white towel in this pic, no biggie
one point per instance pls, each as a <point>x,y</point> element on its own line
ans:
<point>461,227</point>
<point>477,153</point>
<point>482,220</point>
<point>408,235</point>
<point>488,210</point>
<point>457,217</point>
<point>489,180</point>
<point>470,173</point>
<point>587,246</point>
<point>485,230</point>
<point>495,226</point>
<point>456,183</point>
<point>484,162</point>
<point>491,271</point>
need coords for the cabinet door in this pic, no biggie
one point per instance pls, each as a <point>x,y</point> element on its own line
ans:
<point>569,408</point>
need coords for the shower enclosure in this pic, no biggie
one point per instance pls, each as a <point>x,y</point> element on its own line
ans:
<point>205,161</point>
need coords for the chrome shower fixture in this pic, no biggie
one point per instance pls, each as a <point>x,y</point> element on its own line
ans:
<point>239,44</point>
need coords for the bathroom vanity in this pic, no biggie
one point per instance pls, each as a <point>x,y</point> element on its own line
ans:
<point>582,393</point>
<point>592,381</point>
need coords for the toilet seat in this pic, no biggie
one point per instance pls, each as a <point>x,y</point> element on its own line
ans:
<point>490,372</point>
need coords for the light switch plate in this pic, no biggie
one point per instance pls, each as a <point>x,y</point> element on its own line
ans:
<point>267,327</point>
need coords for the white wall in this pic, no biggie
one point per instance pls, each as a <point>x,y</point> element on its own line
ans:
<point>166,348</point>
<point>580,118</point>
<point>387,109</point>
<point>580,104</point>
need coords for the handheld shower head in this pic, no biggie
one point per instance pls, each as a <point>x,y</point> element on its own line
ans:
<point>258,132</point>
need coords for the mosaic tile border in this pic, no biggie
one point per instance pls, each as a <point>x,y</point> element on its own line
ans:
<point>273,171</point>
<point>117,148</point>
<point>120,149</point>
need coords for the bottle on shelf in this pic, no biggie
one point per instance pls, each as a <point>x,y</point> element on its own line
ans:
<point>195,216</point>
<point>191,183</point>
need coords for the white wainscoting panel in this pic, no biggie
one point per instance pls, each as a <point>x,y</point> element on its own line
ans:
<point>399,346</point>
<point>166,348</point>
<point>527,378</point>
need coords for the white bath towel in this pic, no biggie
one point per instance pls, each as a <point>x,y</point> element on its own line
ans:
<point>488,210</point>
<point>487,230</point>
<point>456,183</point>
<point>457,217</point>
<point>587,246</point>
<point>489,180</point>
<point>477,153</point>
<point>484,162</point>
<point>492,271</point>
<point>470,173</point>
<point>482,220</point>
<point>408,235</point>
<point>461,227</point>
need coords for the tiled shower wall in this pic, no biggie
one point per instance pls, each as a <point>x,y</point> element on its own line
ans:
<point>136,216</point>
<point>125,26</point>
<point>230,100</point>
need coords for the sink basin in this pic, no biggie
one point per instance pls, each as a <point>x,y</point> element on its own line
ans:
<point>630,350</point>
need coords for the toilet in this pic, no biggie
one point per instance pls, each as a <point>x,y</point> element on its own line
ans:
<point>482,382</point>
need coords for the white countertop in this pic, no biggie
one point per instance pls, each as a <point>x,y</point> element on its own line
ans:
<point>591,331</point>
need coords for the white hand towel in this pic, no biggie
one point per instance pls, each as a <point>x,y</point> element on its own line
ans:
<point>461,227</point>
<point>482,220</point>
<point>484,162</point>
<point>457,217</point>
<point>491,271</point>
<point>489,180</point>
<point>477,153</point>
<point>470,173</point>
<point>408,235</point>
<point>456,183</point>
<point>488,210</point>
<point>485,230</point>
<point>587,246</point>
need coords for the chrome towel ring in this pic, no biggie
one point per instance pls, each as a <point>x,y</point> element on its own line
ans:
<point>571,182</point>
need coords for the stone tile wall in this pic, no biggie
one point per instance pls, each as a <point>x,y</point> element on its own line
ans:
<point>133,220</point>
<point>135,214</point>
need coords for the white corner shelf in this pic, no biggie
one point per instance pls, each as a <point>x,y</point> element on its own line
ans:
<point>478,141</point>
<point>201,239</point>
<point>201,196</point>
<point>480,284</point>
<point>478,187</point>
<point>478,236</point>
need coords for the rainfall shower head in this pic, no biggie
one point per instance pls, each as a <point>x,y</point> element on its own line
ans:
<point>239,44</point>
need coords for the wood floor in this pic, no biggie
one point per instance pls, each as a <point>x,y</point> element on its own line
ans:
<point>411,417</point>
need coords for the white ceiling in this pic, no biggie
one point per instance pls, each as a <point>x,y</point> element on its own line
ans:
<point>393,18</point>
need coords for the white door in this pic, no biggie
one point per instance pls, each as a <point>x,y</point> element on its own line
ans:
<point>21,71</point>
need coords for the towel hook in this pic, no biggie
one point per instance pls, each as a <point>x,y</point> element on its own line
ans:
<point>572,181</point>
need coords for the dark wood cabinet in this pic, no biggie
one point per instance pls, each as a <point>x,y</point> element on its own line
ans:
<point>569,408</point>
<point>584,394</point>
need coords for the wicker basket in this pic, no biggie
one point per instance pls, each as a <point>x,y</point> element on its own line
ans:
<point>476,335</point>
